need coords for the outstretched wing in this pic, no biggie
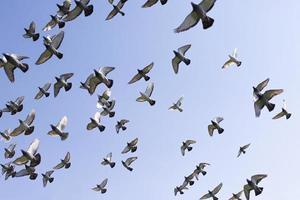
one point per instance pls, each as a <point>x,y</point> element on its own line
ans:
<point>190,21</point>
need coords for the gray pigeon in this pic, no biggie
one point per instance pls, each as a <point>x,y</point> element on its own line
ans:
<point>180,57</point>
<point>150,3</point>
<point>95,123</point>
<point>13,106</point>
<point>116,9</point>
<point>215,125</point>
<point>283,113</point>
<point>30,33</point>
<point>243,149</point>
<point>9,170</point>
<point>25,126</point>
<point>64,162</point>
<point>253,185</point>
<point>15,60</point>
<point>146,96</point>
<point>51,44</point>
<point>131,146</point>
<point>121,125</point>
<point>232,60</point>
<point>47,177</point>
<point>8,69</point>
<point>108,161</point>
<point>200,170</point>
<point>30,155</point>
<point>58,130</point>
<point>237,196</point>
<point>28,171</point>
<point>142,73</point>
<point>100,77</point>
<point>43,91</point>
<point>176,106</point>
<point>186,146</point>
<point>64,9</point>
<point>213,193</point>
<point>128,162</point>
<point>61,82</point>
<point>103,100</point>
<point>86,85</point>
<point>10,151</point>
<point>109,110</point>
<point>262,100</point>
<point>180,189</point>
<point>81,6</point>
<point>55,19</point>
<point>199,13</point>
<point>101,187</point>
<point>6,135</point>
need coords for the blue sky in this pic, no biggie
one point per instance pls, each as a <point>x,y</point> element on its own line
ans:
<point>267,37</point>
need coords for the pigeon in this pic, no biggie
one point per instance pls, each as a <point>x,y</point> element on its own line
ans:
<point>51,44</point>
<point>212,194</point>
<point>15,60</point>
<point>199,13</point>
<point>61,82</point>
<point>28,171</point>
<point>180,57</point>
<point>10,151</point>
<point>142,73</point>
<point>253,185</point>
<point>81,6</point>
<point>131,146</point>
<point>176,106</point>
<point>283,113</point>
<point>121,125</point>
<point>30,33</point>
<point>145,96</point>
<point>58,130</point>
<point>43,91</point>
<point>237,196</point>
<point>8,68</point>
<point>95,123</point>
<point>86,85</point>
<point>116,9</point>
<point>232,60</point>
<point>186,145</point>
<point>14,106</point>
<point>215,125</point>
<point>180,189</point>
<point>6,135</point>
<point>25,126</point>
<point>109,110</point>
<point>243,149</point>
<point>108,161</point>
<point>200,169</point>
<point>103,100</point>
<point>47,177</point>
<point>30,155</point>
<point>128,162</point>
<point>9,170</point>
<point>262,100</point>
<point>101,187</point>
<point>64,9</point>
<point>100,77</point>
<point>150,3</point>
<point>55,19</point>
<point>64,162</point>
<point>188,180</point>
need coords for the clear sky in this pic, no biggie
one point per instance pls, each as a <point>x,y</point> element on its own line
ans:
<point>266,34</point>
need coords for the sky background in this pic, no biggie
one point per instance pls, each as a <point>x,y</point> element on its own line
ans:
<point>267,37</point>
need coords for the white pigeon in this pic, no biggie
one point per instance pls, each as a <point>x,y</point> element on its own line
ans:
<point>58,130</point>
<point>233,60</point>
<point>146,96</point>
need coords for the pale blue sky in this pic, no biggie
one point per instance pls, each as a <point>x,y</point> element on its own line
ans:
<point>266,34</point>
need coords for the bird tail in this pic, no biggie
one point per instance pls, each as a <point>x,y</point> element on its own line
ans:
<point>146,78</point>
<point>189,148</point>
<point>239,63</point>
<point>61,24</point>
<point>68,165</point>
<point>258,191</point>
<point>20,108</point>
<point>220,130</point>
<point>64,136</point>
<point>192,183</point>
<point>122,13</point>
<point>130,168</point>
<point>103,191</point>
<point>88,10</point>
<point>36,161</point>
<point>51,180</point>
<point>68,87</point>
<point>24,67</point>
<point>152,102</point>
<point>1,112</point>
<point>59,55</point>
<point>215,198</point>
<point>207,22</point>
<point>101,128</point>
<point>33,176</point>
<point>29,131</point>
<point>35,37</point>
<point>112,114</point>
<point>112,165</point>
<point>270,106</point>
<point>47,94</point>
<point>124,128</point>
<point>287,116</point>
<point>203,173</point>
<point>110,83</point>
<point>133,149</point>
<point>187,61</point>
<point>180,109</point>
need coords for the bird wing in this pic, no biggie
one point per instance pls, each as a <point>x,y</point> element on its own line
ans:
<point>149,89</point>
<point>33,147</point>
<point>217,189</point>
<point>104,183</point>
<point>258,105</point>
<point>67,157</point>
<point>106,70</point>
<point>97,116</point>
<point>184,49</point>
<point>73,14</point>
<point>134,142</point>
<point>109,156</point>
<point>269,94</point>
<point>30,117</point>
<point>190,21</point>
<point>206,196</point>
<point>57,39</point>
<point>9,71</point>
<point>59,165</point>
<point>149,3</point>
<point>63,123</point>
<point>32,27</point>
<point>207,5</point>
<point>130,160</point>
<point>247,190</point>
<point>179,102</point>
<point>257,178</point>
<point>49,173</point>
<point>106,94</point>
<point>46,55</point>
<point>126,149</point>
<point>246,146</point>
<point>135,78</point>
<point>227,64</point>
<point>262,85</point>
<point>211,129</point>
<point>219,119</point>
<point>57,87</point>
<point>17,131</point>
<point>188,142</point>
<point>66,76</point>
<point>182,148</point>
<point>239,153</point>
<point>94,82</point>
<point>20,161</point>
<point>175,64</point>
<point>279,115</point>
<point>50,25</point>
<point>148,68</point>
<point>22,172</point>
<point>234,53</point>
<point>47,86</point>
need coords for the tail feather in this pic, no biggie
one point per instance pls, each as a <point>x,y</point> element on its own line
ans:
<point>88,10</point>
<point>147,78</point>
<point>47,94</point>
<point>259,191</point>
<point>124,128</point>
<point>220,130</point>
<point>68,165</point>
<point>29,131</point>
<point>35,37</point>
<point>103,191</point>
<point>110,83</point>
<point>203,173</point>
<point>51,179</point>
<point>101,128</point>
<point>187,61</point>
<point>112,165</point>
<point>207,22</point>
<point>24,67</point>
<point>64,136</point>
<point>59,55</point>
<point>287,116</point>
<point>270,106</point>
<point>68,87</point>
<point>152,102</point>
<point>112,114</point>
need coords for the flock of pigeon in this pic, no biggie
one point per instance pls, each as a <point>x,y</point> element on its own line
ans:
<point>30,158</point>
